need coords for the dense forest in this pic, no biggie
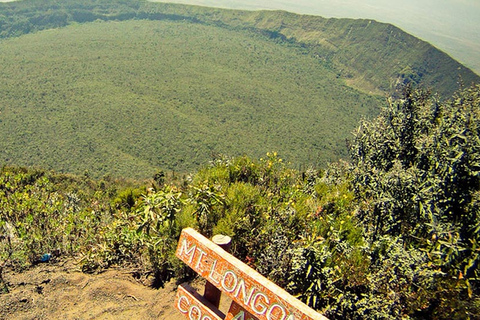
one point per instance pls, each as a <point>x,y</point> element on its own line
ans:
<point>131,98</point>
<point>123,122</point>
<point>394,233</point>
<point>372,55</point>
<point>127,88</point>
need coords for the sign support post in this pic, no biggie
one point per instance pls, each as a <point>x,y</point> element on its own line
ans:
<point>212,293</point>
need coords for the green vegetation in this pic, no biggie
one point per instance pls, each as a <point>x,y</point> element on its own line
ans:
<point>372,55</point>
<point>146,86</point>
<point>418,168</point>
<point>143,87</point>
<point>132,97</point>
<point>452,26</point>
<point>392,235</point>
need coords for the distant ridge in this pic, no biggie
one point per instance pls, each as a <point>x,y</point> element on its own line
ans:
<point>373,57</point>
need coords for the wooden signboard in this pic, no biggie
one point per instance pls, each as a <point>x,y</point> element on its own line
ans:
<point>194,306</point>
<point>236,312</point>
<point>254,296</point>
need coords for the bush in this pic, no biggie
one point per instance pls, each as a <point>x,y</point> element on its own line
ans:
<point>416,168</point>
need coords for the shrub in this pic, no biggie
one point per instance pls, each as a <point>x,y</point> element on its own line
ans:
<point>416,168</point>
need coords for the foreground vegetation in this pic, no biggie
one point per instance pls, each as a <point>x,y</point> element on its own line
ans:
<point>393,234</point>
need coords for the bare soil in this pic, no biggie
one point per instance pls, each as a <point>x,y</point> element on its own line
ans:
<point>60,290</point>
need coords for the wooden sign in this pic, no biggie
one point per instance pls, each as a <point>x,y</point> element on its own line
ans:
<point>236,312</point>
<point>194,306</point>
<point>254,296</point>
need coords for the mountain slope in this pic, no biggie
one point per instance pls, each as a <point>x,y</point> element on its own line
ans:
<point>145,86</point>
<point>133,97</point>
<point>371,56</point>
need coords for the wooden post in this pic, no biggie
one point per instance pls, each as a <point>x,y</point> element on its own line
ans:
<point>194,306</point>
<point>212,293</point>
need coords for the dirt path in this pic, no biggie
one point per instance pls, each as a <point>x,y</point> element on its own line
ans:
<point>61,291</point>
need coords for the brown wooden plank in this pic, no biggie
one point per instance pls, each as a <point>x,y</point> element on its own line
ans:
<point>237,312</point>
<point>195,307</point>
<point>255,293</point>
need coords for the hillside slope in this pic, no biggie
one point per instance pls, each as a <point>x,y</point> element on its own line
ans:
<point>130,98</point>
<point>372,56</point>
<point>146,86</point>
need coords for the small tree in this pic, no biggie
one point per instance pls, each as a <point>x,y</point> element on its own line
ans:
<point>157,229</point>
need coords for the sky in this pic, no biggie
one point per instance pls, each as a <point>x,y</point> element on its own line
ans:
<point>452,26</point>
